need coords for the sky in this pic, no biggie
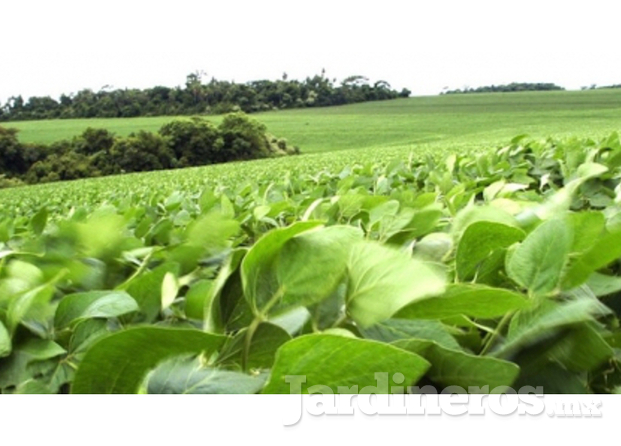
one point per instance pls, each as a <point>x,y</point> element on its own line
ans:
<point>63,46</point>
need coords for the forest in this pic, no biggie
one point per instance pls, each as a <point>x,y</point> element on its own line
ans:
<point>512,87</point>
<point>197,97</point>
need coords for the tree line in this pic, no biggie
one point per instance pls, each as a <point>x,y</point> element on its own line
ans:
<point>197,98</point>
<point>98,152</point>
<point>512,87</point>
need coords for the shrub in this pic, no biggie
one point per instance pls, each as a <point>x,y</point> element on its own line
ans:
<point>194,142</point>
<point>243,138</point>
<point>93,141</point>
<point>11,153</point>
<point>142,151</point>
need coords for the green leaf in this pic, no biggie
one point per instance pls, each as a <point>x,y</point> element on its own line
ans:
<point>473,214</point>
<point>266,340</point>
<point>100,237</point>
<point>225,304</point>
<point>587,226</point>
<point>561,200</point>
<point>450,367</point>
<point>328,312</point>
<point>118,363</point>
<point>292,321</point>
<point>466,299</point>
<point>5,341</point>
<point>582,349</point>
<point>146,289</point>
<point>478,245</point>
<point>538,261</point>
<point>397,329</point>
<point>170,289</point>
<point>602,285</point>
<point>259,279</point>
<point>196,299</point>
<point>39,220</point>
<point>383,280</point>
<point>311,265</point>
<point>93,304</point>
<point>606,249</point>
<point>334,361</point>
<point>434,247</point>
<point>33,387</point>
<point>189,376</point>
<point>553,378</point>
<point>531,326</point>
<point>21,365</point>
<point>211,231</point>
<point>21,306</point>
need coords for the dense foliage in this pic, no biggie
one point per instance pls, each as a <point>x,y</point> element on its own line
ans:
<point>512,87</point>
<point>499,269</point>
<point>196,98</point>
<point>97,152</point>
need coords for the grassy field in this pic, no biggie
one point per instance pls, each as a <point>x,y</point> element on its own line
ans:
<point>457,122</point>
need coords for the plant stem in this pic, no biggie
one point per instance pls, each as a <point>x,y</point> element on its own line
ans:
<point>491,337</point>
<point>252,328</point>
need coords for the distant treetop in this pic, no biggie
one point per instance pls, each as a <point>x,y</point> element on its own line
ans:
<point>198,97</point>
<point>514,86</point>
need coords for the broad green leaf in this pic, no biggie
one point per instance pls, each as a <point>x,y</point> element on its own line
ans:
<point>196,299</point>
<point>33,387</point>
<point>587,227</point>
<point>170,289</point>
<point>434,247</point>
<point>310,265</point>
<point>340,332</point>
<point>39,220</point>
<point>22,306</point>
<point>25,357</point>
<point>100,237</point>
<point>265,341</point>
<point>538,261</point>
<point>211,231</point>
<point>473,214</point>
<point>118,363</point>
<point>382,211</point>
<point>602,285</point>
<point>423,222</point>
<point>451,367</point>
<point>561,200</point>
<point>292,321</point>
<point>5,341</point>
<point>225,300</point>
<point>26,272</point>
<point>466,299</point>
<point>338,361</point>
<point>582,349</point>
<point>393,330</point>
<point>606,249</point>
<point>258,274</point>
<point>189,376</point>
<point>382,280</point>
<point>146,289</point>
<point>531,326</point>
<point>553,378</point>
<point>329,311</point>
<point>478,244</point>
<point>93,304</point>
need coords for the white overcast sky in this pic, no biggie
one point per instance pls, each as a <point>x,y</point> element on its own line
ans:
<point>61,46</point>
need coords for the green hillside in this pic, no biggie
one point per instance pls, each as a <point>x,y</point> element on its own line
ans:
<point>457,121</point>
